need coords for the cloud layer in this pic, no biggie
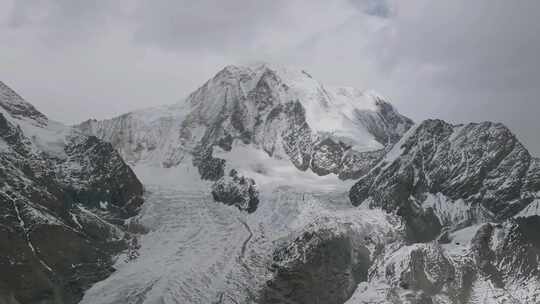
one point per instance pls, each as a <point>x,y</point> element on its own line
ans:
<point>457,60</point>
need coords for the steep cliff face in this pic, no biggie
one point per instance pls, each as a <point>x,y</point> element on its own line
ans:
<point>326,259</point>
<point>444,175</point>
<point>63,198</point>
<point>468,196</point>
<point>284,112</point>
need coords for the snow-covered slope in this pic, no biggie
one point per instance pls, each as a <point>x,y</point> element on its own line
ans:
<point>62,195</point>
<point>201,251</point>
<point>284,112</point>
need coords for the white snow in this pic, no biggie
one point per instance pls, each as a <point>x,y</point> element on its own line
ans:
<point>269,172</point>
<point>4,147</point>
<point>330,110</point>
<point>533,209</point>
<point>198,250</point>
<point>397,150</point>
<point>50,138</point>
<point>103,205</point>
<point>76,220</point>
<point>460,241</point>
<point>184,176</point>
<point>447,211</point>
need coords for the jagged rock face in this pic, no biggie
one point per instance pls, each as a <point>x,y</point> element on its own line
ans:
<point>61,194</point>
<point>487,263</point>
<point>417,274</point>
<point>357,164</point>
<point>327,156</point>
<point>286,113</point>
<point>518,255</point>
<point>288,122</point>
<point>480,169</point>
<point>318,266</point>
<point>468,196</point>
<point>236,190</point>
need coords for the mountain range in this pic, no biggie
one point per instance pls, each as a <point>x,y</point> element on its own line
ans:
<point>265,186</point>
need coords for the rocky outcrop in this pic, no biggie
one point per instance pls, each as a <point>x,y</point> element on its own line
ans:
<point>318,265</point>
<point>468,197</point>
<point>63,199</point>
<point>445,175</point>
<point>236,190</point>
<point>487,263</point>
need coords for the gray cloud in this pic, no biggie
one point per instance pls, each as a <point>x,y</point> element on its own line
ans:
<point>481,61</point>
<point>63,21</point>
<point>379,8</point>
<point>213,26</point>
<point>458,60</point>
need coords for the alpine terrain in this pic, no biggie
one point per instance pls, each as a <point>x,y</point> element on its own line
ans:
<point>266,186</point>
<point>64,197</point>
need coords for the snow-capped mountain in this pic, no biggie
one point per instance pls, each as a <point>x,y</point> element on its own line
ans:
<point>284,112</point>
<point>266,186</point>
<point>63,198</point>
<point>436,213</point>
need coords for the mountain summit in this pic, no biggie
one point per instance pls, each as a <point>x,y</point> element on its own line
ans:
<point>283,112</point>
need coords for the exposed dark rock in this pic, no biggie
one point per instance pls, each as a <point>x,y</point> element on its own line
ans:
<point>518,256</point>
<point>225,142</point>
<point>357,164</point>
<point>108,179</point>
<point>421,225</point>
<point>320,266</point>
<point>484,256</point>
<point>482,164</point>
<point>297,135</point>
<point>327,157</point>
<point>210,168</point>
<point>236,190</point>
<point>386,124</point>
<point>60,213</point>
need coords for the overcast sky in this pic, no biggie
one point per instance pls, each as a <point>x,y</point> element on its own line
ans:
<point>458,60</point>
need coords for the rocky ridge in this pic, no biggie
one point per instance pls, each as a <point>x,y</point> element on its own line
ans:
<point>466,194</point>
<point>63,197</point>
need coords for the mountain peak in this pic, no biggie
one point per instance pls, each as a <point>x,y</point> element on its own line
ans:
<point>282,111</point>
<point>17,107</point>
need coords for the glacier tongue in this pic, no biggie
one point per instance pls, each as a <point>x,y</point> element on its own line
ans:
<point>200,251</point>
